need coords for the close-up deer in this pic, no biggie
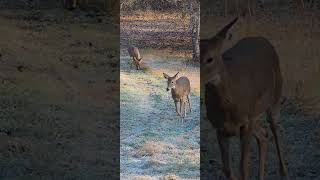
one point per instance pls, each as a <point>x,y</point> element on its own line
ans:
<point>135,54</point>
<point>180,90</point>
<point>241,84</point>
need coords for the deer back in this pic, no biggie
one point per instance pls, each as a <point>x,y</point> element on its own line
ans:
<point>134,52</point>
<point>182,88</point>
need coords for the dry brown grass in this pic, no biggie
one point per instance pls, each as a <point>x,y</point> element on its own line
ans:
<point>156,30</point>
<point>151,148</point>
<point>154,16</point>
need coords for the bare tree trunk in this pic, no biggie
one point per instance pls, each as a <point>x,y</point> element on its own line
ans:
<point>194,9</point>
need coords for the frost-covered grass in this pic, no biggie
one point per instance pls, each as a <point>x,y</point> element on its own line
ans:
<point>155,143</point>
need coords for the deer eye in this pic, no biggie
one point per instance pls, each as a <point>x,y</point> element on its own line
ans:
<point>209,60</point>
<point>171,82</point>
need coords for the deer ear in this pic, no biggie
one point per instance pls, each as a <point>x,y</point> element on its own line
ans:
<point>165,75</point>
<point>175,76</point>
<point>222,34</point>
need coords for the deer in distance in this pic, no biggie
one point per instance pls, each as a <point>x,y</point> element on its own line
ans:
<point>180,90</point>
<point>241,84</point>
<point>135,54</point>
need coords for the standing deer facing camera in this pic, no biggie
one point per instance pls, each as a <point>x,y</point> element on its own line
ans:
<point>135,54</point>
<point>180,90</point>
<point>241,84</point>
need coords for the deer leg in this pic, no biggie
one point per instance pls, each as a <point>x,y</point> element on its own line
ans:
<point>180,100</point>
<point>184,108</point>
<point>272,118</point>
<point>132,62</point>
<point>245,135</point>
<point>136,63</point>
<point>262,140</point>
<point>189,103</point>
<point>225,155</point>
<point>176,105</point>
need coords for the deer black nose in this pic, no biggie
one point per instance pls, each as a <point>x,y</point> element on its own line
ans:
<point>167,89</point>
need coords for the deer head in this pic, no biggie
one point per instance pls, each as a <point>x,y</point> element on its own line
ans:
<point>171,84</point>
<point>210,55</point>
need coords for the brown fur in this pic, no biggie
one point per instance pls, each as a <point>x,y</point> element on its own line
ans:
<point>180,90</point>
<point>135,54</point>
<point>241,84</point>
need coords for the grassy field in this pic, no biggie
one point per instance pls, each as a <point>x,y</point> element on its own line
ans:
<point>155,143</point>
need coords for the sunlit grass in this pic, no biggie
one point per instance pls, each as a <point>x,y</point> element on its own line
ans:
<point>154,15</point>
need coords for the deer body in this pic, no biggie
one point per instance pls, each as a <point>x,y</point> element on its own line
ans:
<point>250,84</point>
<point>180,90</point>
<point>241,84</point>
<point>135,54</point>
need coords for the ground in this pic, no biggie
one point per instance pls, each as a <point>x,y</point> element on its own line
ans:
<point>154,140</point>
<point>300,138</point>
<point>59,95</point>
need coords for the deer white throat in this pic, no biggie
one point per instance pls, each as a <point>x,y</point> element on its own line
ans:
<point>216,80</point>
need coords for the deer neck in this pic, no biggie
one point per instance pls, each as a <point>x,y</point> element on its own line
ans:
<point>222,86</point>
